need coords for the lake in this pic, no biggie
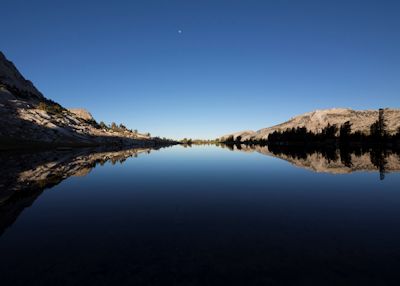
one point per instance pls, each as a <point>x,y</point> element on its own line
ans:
<point>201,215</point>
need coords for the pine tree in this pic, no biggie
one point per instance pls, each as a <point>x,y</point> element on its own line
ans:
<point>345,131</point>
<point>114,126</point>
<point>103,125</point>
<point>382,123</point>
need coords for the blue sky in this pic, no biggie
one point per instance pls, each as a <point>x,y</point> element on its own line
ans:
<point>236,65</point>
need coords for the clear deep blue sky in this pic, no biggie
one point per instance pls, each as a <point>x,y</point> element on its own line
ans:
<point>236,65</point>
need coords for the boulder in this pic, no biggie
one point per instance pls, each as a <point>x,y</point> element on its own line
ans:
<point>81,113</point>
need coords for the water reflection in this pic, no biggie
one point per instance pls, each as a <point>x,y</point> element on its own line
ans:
<point>24,176</point>
<point>199,216</point>
<point>330,160</point>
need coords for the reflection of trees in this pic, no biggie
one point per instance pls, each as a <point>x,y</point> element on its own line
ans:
<point>331,159</point>
<point>378,155</point>
<point>302,152</point>
<point>345,157</point>
<point>378,158</point>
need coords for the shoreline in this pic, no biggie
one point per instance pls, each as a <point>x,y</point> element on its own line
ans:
<point>10,144</point>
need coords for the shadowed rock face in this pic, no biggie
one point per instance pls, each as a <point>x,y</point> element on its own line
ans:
<point>10,76</point>
<point>334,162</point>
<point>25,176</point>
<point>317,120</point>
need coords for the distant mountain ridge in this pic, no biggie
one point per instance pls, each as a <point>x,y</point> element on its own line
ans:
<point>315,121</point>
<point>28,119</point>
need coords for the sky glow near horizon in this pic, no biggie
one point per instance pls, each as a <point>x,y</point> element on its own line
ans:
<point>202,69</point>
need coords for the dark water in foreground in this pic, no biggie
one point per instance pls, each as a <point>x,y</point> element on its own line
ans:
<point>198,216</point>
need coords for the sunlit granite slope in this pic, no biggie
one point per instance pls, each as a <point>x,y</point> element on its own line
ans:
<point>315,121</point>
<point>28,119</point>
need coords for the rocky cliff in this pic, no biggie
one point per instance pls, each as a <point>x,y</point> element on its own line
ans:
<point>315,121</point>
<point>11,79</point>
<point>28,119</point>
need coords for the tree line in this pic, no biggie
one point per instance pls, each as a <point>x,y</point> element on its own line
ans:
<point>331,134</point>
<point>189,141</point>
<point>338,135</point>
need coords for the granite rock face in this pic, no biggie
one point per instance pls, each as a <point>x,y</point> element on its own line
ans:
<point>315,121</point>
<point>81,113</point>
<point>11,77</point>
<point>28,119</point>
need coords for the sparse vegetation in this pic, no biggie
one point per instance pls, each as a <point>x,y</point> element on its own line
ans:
<point>103,125</point>
<point>51,107</point>
<point>93,123</point>
<point>189,141</point>
<point>186,141</point>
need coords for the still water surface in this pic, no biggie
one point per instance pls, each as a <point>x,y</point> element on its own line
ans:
<point>199,216</point>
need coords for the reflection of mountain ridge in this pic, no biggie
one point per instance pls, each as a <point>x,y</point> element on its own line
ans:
<point>334,161</point>
<point>26,175</point>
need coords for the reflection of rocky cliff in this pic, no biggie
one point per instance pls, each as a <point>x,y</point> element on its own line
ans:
<point>24,176</point>
<point>334,162</point>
